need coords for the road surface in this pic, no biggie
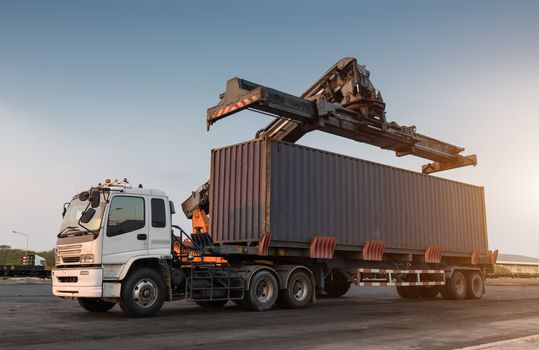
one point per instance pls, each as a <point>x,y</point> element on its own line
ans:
<point>30,317</point>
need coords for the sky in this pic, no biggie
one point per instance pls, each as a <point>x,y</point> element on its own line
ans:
<point>111,89</point>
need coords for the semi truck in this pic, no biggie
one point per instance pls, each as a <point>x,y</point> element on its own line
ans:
<point>32,265</point>
<point>279,223</point>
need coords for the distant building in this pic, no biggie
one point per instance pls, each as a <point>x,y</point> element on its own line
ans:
<point>512,265</point>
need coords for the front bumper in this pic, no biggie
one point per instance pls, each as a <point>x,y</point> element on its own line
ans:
<point>77,282</point>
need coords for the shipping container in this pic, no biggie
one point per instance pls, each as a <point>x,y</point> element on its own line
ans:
<point>296,193</point>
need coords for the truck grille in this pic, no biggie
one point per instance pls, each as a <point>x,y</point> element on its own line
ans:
<point>71,259</point>
<point>68,279</point>
<point>71,249</point>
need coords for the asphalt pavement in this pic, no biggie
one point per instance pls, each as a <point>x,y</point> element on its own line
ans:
<point>371,318</point>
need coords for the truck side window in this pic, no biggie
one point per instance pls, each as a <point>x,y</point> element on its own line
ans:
<point>159,218</point>
<point>126,214</point>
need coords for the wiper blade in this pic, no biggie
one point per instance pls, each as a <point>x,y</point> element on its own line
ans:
<point>68,229</point>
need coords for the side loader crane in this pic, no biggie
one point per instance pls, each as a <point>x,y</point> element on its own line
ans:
<point>117,244</point>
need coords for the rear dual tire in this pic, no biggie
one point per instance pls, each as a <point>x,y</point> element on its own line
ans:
<point>263,292</point>
<point>475,285</point>
<point>462,286</point>
<point>299,291</point>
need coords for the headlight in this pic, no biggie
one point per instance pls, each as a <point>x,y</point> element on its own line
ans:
<point>87,259</point>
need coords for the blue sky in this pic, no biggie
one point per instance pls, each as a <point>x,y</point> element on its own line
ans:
<point>96,89</point>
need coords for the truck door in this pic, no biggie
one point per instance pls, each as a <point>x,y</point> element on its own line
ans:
<point>126,233</point>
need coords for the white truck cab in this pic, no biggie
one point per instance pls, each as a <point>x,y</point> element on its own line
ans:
<point>116,246</point>
<point>104,232</point>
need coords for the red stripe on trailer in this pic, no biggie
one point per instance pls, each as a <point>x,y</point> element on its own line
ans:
<point>322,247</point>
<point>373,250</point>
<point>264,243</point>
<point>433,254</point>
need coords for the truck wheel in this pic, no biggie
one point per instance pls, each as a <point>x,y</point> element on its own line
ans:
<point>299,291</point>
<point>263,291</point>
<point>337,287</point>
<point>211,303</point>
<point>95,304</point>
<point>408,292</point>
<point>455,287</point>
<point>143,293</point>
<point>429,292</point>
<point>474,283</point>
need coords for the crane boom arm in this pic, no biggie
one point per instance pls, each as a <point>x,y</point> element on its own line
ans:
<point>295,116</point>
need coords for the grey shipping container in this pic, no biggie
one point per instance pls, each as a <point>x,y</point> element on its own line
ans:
<point>297,193</point>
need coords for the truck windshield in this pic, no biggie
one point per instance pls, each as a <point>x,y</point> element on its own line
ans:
<point>70,224</point>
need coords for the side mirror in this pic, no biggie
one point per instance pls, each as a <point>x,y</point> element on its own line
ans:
<point>94,198</point>
<point>87,215</point>
<point>83,196</point>
<point>64,211</point>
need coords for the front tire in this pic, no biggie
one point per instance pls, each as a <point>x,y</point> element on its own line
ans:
<point>95,304</point>
<point>263,291</point>
<point>143,293</point>
<point>299,291</point>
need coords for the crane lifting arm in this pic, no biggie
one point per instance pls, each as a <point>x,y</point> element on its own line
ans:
<point>342,102</point>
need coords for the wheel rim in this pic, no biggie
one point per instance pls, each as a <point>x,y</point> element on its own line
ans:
<point>299,289</point>
<point>264,290</point>
<point>145,293</point>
